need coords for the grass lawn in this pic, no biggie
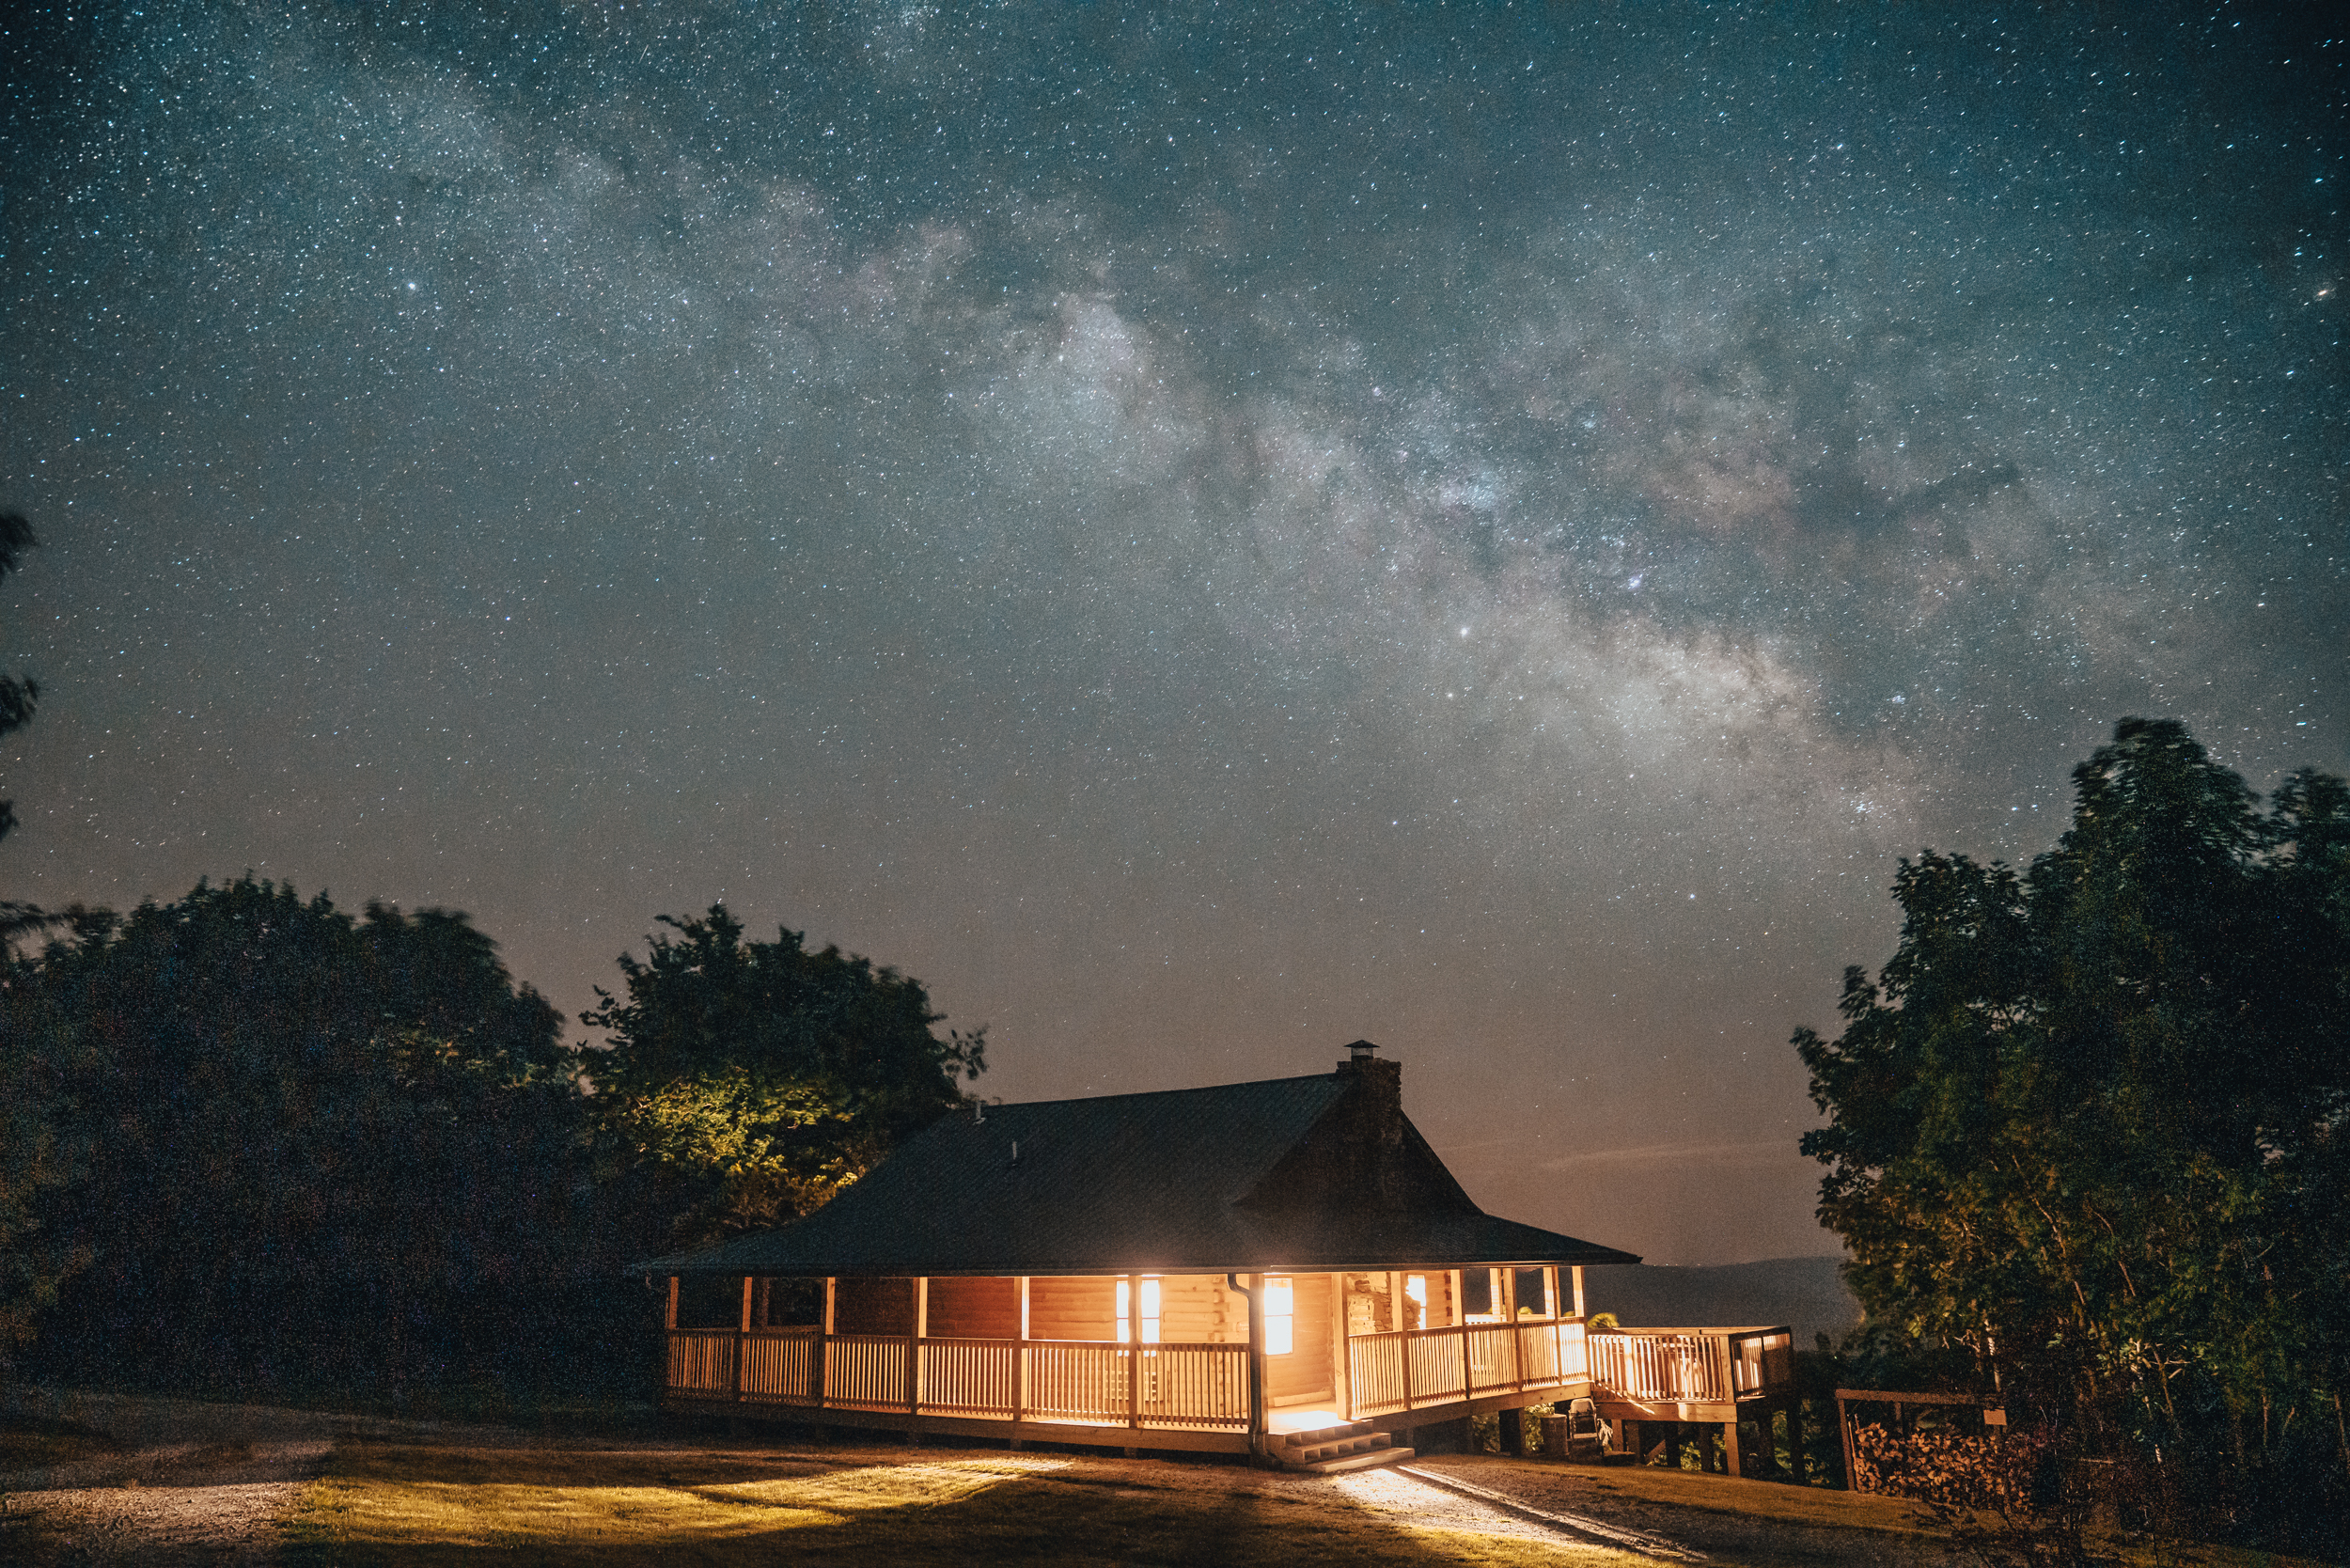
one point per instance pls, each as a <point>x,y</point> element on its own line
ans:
<point>1822,1507</point>
<point>425,1504</point>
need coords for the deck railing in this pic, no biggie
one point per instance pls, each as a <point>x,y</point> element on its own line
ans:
<point>702,1360</point>
<point>779,1366</point>
<point>1669,1366</point>
<point>1412,1367</point>
<point>1080,1382</point>
<point>1205,1387</point>
<point>969,1377</point>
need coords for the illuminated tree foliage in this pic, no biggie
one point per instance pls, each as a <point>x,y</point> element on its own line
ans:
<point>2093,1122</point>
<point>756,1079</point>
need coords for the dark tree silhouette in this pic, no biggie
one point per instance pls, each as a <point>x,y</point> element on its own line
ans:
<point>34,1156</point>
<point>17,697</point>
<point>318,1150</point>
<point>2092,1122</point>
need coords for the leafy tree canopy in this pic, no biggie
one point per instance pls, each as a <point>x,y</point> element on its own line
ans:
<point>2093,1122</point>
<point>758,1078</point>
<point>17,697</point>
<point>299,1139</point>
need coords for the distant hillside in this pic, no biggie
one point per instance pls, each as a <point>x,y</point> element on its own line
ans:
<point>1804,1292</point>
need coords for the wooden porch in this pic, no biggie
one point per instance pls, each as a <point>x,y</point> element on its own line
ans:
<point>1172,1369</point>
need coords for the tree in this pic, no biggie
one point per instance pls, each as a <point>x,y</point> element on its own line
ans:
<point>756,1079</point>
<point>2089,1121</point>
<point>41,1063</point>
<point>317,1148</point>
<point>17,697</point>
<point>34,1156</point>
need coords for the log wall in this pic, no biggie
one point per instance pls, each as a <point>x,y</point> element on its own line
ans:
<point>975,1308</point>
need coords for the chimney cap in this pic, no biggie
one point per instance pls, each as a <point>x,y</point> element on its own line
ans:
<point>1360,1050</point>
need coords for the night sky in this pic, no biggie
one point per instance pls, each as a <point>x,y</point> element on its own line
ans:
<point>1201,534</point>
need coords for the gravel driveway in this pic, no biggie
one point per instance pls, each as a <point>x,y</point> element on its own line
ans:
<point>189,1484</point>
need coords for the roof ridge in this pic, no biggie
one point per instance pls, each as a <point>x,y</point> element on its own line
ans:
<point>1161,1093</point>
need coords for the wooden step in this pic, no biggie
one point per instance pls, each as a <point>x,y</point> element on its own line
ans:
<point>1369,1461</point>
<point>1323,1434</point>
<point>1350,1445</point>
<point>1335,1448</point>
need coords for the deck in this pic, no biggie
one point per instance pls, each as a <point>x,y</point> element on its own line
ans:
<point>1691,1375</point>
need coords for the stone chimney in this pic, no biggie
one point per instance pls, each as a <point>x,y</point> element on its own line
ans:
<point>1378,1110</point>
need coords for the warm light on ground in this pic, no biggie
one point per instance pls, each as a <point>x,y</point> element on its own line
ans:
<point>383,1503</point>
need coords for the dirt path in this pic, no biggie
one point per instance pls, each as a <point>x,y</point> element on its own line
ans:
<point>186,1483</point>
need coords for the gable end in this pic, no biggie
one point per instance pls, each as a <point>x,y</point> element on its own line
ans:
<point>1361,1155</point>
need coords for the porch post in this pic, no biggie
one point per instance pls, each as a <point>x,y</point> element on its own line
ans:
<point>824,1344</point>
<point>1509,1293</point>
<point>913,1347</point>
<point>1730,1436</point>
<point>743,1338</point>
<point>1342,1351</point>
<point>1020,1363</point>
<point>1253,1293</point>
<point>1455,1309</point>
<point>1578,1290</point>
<point>668,1335</point>
<point>1134,1350</point>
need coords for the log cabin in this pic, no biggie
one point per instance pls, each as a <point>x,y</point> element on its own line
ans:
<point>1283,1268</point>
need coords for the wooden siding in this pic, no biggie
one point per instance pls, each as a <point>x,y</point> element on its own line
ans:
<point>1085,1308</point>
<point>1196,1310</point>
<point>975,1308</point>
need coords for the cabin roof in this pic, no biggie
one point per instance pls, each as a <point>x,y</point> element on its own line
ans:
<point>1315,1174</point>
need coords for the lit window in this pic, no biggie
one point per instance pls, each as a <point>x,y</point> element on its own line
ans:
<point>1415,1298</point>
<point>1149,1310</point>
<point>1280,1317</point>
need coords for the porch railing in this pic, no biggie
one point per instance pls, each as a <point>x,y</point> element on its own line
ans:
<point>1409,1369</point>
<point>1205,1387</point>
<point>1693,1365</point>
<point>1200,1388</point>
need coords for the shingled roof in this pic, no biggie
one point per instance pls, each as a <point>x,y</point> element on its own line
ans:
<point>1315,1174</point>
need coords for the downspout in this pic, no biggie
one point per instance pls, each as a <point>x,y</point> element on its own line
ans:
<point>1256,1366</point>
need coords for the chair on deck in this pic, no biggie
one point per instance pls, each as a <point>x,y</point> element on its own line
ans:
<point>1585,1437</point>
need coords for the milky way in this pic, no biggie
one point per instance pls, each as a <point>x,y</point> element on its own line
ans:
<point>1203,534</point>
